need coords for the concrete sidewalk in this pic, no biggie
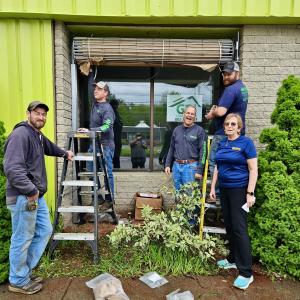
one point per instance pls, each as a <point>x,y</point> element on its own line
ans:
<point>202,287</point>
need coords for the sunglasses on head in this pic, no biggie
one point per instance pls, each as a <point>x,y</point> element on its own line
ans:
<point>230,124</point>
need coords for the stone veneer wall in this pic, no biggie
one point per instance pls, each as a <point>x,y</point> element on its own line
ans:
<point>62,52</point>
<point>129,183</point>
<point>63,96</point>
<point>269,53</point>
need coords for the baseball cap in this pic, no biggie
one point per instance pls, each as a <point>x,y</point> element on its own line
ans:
<point>102,85</point>
<point>231,67</point>
<point>34,104</point>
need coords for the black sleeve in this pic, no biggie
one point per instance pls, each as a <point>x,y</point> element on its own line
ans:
<point>170,155</point>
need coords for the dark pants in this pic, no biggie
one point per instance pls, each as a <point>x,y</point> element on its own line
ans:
<point>138,162</point>
<point>235,219</point>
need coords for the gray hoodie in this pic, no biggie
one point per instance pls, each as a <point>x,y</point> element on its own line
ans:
<point>24,163</point>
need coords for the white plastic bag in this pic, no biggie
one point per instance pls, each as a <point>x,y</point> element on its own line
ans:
<point>153,279</point>
<point>107,287</point>
<point>187,295</point>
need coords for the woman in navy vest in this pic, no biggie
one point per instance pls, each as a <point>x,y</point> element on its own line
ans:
<point>236,172</point>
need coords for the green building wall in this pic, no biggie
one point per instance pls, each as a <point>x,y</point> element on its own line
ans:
<point>26,52</point>
<point>157,11</point>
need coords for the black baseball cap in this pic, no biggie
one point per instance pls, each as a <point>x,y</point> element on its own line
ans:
<point>34,104</point>
<point>231,67</point>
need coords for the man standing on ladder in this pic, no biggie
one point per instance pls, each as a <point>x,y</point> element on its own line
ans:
<point>233,100</point>
<point>26,184</point>
<point>102,119</point>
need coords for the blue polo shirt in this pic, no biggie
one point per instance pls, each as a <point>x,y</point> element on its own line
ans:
<point>235,100</point>
<point>231,160</point>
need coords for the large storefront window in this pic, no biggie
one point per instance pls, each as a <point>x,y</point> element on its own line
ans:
<point>130,96</point>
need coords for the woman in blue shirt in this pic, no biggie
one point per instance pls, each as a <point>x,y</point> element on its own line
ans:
<point>236,172</point>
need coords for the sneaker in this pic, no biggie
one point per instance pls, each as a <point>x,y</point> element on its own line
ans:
<point>242,282</point>
<point>30,288</point>
<point>37,278</point>
<point>225,264</point>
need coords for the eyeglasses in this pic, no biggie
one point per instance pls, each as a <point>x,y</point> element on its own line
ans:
<point>232,124</point>
<point>38,114</point>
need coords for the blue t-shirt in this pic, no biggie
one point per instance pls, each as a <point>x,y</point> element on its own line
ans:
<point>231,160</point>
<point>235,99</point>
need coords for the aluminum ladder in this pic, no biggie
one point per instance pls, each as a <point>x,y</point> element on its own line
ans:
<point>96,184</point>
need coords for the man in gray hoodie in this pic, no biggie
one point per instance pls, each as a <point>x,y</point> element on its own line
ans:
<point>24,167</point>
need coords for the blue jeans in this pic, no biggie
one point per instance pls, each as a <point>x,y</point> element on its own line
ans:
<point>108,153</point>
<point>31,231</point>
<point>213,150</point>
<point>184,173</point>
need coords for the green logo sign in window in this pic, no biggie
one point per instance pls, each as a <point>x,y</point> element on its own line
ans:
<point>176,105</point>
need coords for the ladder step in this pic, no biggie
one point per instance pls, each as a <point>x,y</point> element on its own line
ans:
<point>78,183</point>
<point>74,236</point>
<point>212,206</point>
<point>89,174</point>
<point>85,156</point>
<point>102,193</point>
<point>77,209</point>
<point>209,229</point>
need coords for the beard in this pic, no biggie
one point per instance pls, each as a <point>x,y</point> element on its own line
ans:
<point>37,124</point>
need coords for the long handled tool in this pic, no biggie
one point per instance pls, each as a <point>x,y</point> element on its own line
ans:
<point>204,185</point>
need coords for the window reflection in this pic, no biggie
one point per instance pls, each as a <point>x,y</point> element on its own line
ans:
<point>130,98</point>
<point>133,110</point>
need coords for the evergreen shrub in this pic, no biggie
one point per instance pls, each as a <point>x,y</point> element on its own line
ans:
<point>5,223</point>
<point>275,219</point>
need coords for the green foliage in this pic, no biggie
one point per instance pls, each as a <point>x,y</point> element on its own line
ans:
<point>133,114</point>
<point>5,223</point>
<point>170,233</point>
<point>275,219</point>
<point>164,244</point>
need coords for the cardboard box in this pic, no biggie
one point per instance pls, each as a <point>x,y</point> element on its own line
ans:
<point>143,199</point>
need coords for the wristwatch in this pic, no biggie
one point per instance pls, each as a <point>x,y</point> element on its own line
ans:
<point>250,193</point>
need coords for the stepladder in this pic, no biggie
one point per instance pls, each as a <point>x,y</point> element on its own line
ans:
<point>84,191</point>
<point>204,206</point>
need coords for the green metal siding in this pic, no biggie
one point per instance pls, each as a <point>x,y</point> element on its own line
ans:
<point>157,11</point>
<point>26,52</point>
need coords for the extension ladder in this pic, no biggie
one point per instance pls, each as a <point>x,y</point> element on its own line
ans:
<point>95,183</point>
<point>203,204</point>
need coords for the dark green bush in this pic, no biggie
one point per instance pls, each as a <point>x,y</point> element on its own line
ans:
<point>5,223</point>
<point>275,220</point>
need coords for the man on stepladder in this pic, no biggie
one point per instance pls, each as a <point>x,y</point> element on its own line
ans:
<point>102,119</point>
<point>24,167</point>
<point>233,100</point>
